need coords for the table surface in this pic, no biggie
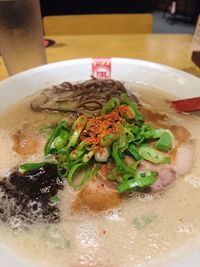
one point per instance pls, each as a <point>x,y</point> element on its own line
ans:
<point>169,49</point>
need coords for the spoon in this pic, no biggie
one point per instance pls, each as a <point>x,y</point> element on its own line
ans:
<point>186,105</point>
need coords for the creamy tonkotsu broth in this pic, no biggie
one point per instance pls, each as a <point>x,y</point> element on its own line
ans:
<point>142,229</point>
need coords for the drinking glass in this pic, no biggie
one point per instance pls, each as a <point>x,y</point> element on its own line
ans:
<point>21,35</point>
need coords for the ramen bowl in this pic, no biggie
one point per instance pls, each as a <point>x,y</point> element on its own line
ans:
<point>142,73</point>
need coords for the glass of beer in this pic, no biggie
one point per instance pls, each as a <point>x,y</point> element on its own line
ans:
<point>21,35</point>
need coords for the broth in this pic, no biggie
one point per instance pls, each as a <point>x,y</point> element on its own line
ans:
<point>143,229</point>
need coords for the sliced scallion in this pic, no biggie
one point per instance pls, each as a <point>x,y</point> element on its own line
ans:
<point>30,166</point>
<point>54,199</point>
<point>140,180</point>
<point>165,143</point>
<point>151,154</point>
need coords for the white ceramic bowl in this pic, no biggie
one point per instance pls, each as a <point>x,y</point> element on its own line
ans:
<point>165,78</point>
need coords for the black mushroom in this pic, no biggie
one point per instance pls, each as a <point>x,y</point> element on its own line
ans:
<point>25,198</point>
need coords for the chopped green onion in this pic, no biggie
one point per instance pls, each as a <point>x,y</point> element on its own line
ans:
<point>165,143</point>
<point>113,174</point>
<point>131,103</point>
<point>74,138</point>
<point>77,127</point>
<point>133,150</point>
<point>88,156</point>
<point>78,151</point>
<point>108,137</point>
<point>95,170</point>
<point>110,105</point>
<point>148,132</point>
<point>62,172</point>
<point>120,145</point>
<point>128,115</point>
<point>129,135</point>
<point>49,147</point>
<point>144,220</point>
<point>156,133</point>
<point>141,180</point>
<point>152,155</point>
<point>107,140</point>
<point>88,174</point>
<point>48,130</point>
<point>31,166</point>
<point>54,199</point>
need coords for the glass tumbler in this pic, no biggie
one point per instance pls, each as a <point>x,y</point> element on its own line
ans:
<point>21,35</point>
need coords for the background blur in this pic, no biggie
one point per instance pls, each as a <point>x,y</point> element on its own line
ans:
<point>169,16</point>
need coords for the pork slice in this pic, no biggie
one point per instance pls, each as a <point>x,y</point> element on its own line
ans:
<point>166,176</point>
<point>25,144</point>
<point>181,165</point>
<point>184,158</point>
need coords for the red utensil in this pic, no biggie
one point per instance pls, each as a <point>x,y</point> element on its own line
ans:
<point>186,105</point>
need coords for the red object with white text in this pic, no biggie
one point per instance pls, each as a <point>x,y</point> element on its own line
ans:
<point>101,68</point>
